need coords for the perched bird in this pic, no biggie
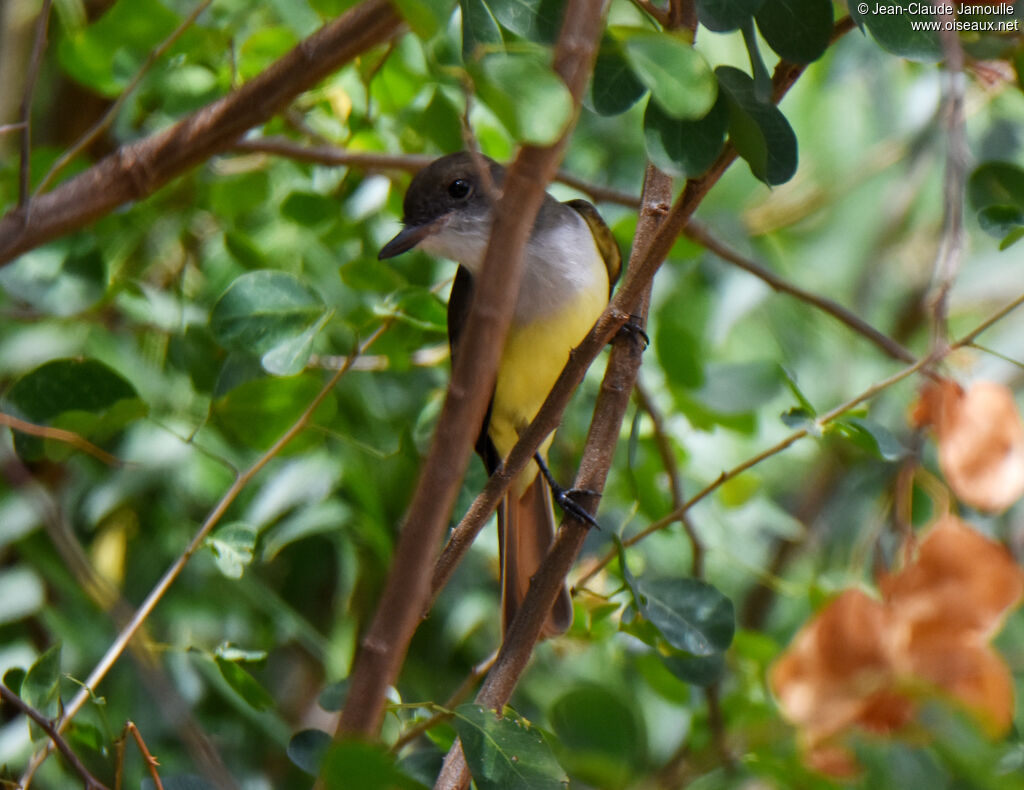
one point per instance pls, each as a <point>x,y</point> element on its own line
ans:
<point>572,261</point>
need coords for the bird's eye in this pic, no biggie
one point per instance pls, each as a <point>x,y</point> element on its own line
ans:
<point>458,188</point>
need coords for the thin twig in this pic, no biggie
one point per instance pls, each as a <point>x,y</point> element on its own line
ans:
<point>754,460</point>
<point>947,261</point>
<point>91,782</point>
<point>38,46</point>
<point>457,696</point>
<point>59,435</point>
<point>110,115</point>
<point>668,460</point>
<point>702,236</point>
<point>11,127</point>
<point>115,650</point>
<point>336,156</point>
<point>149,759</point>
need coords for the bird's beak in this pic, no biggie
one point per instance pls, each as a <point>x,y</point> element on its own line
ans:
<point>407,238</point>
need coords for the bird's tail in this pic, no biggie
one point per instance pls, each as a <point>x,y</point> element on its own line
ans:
<point>526,527</point>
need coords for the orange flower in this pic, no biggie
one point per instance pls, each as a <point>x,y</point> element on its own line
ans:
<point>863,663</point>
<point>981,440</point>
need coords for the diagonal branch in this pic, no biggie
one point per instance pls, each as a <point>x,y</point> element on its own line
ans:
<point>91,782</point>
<point>59,435</point>
<point>137,170</point>
<point>702,236</point>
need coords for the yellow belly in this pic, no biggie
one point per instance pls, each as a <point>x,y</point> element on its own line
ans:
<point>534,355</point>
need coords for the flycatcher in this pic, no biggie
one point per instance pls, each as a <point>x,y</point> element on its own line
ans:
<point>572,261</point>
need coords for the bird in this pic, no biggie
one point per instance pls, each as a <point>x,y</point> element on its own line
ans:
<point>572,262</point>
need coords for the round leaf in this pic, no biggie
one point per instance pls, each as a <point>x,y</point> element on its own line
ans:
<point>83,395</point>
<point>725,15</point>
<point>357,764</point>
<point>798,30</point>
<point>604,740</point>
<point>232,546</point>
<point>760,132</point>
<point>534,20</point>
<point>690,614</point>
<point>505,752</point>
<point>307,749</point>
<point>614,88</point>
<point>526,95</point>
<point>678,77</point>
<point>270,313</point>
<point>479,28</point>
<point>685,148</point>
<point>895,32</point>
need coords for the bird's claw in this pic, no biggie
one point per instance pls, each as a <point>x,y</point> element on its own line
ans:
<point>565,498</point>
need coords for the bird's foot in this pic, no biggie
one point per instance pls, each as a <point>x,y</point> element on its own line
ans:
<point>633,330</point>
<point>565,498</point>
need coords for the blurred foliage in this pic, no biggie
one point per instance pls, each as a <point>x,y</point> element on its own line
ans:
<point>186,332</point>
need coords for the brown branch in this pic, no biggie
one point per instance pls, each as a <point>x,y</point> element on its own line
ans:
<point>91,782</point>
<point>108,117</point>
<point>155,595</point>
<point>456,698</point>
<point>137,170</point>
<point>612,402</point>
<point>668,460</point>
<point>25,111</point>
<point>150,761</point>
<point>408,588</point>
<point>59,435</point>
<point>702,236</point>
<point>409,163</point>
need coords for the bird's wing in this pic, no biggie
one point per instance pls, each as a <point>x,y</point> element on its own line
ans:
<point>458,311</point>
<point>606,244</point>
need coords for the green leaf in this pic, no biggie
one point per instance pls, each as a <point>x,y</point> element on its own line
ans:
<point>258,411</point>
<point>425,17</point>
<point>270,313</point>
<point>307,748</point>
<point>244,684</point>
<point>999,221</point>
<point>870,436</point>
<point>760,132</point>
<point>535,20</point>
<point>895,32</point>
<point>244,250</point>
<point>76,394</point>
<point>690,614</point>
<point>505,752</point>
<point>601,739</point>
<point>724,15</point>
<point>41,687</point>
<point>310,208</point>
<point>696,670</point>
<point>262,48</point>
<point>526,95</point>
<point>14,678</point>
<point>614,88</point>
<point>480,30</point>
<point>333,697</point>
<point>798,30</point>
<point>232,546</point>
<point>104,55</point>
<point>685,148</point>
<point>678,77</point>
<point>57,283</point>
<point>357,764</point>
